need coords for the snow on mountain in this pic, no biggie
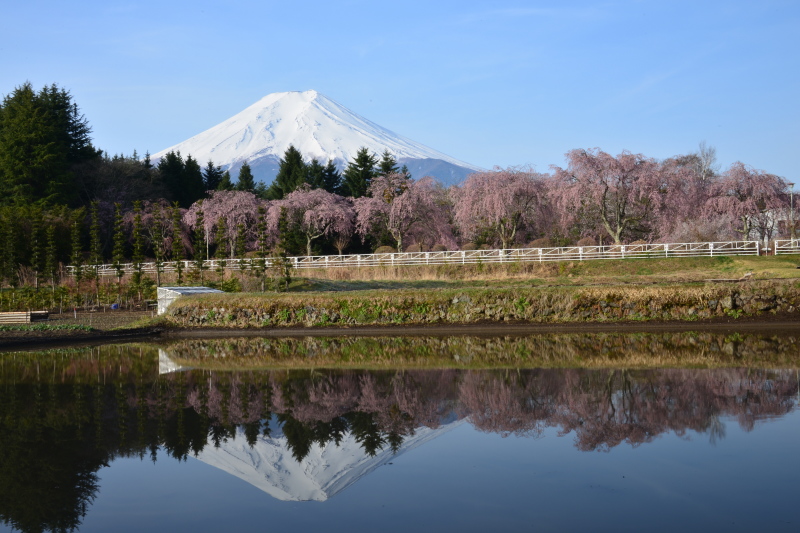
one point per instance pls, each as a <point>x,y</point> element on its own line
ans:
<point>324,472</point>
<point>319,128</point>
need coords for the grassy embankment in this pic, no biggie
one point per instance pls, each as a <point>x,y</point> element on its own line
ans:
<point>597,291</point>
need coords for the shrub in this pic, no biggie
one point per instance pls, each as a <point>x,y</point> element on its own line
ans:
<point>543,242</point>
<point>385,250</point>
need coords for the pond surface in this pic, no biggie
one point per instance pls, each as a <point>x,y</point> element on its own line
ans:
<point>128,438</point>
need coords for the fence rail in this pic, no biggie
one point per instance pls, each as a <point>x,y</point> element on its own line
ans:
<point>511,255</point>
<point>787,246</point>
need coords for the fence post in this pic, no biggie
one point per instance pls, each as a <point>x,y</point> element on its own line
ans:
<point>540,255</point>
<point>580,253</point>
<point>711,249</point>
<point>666,250</point>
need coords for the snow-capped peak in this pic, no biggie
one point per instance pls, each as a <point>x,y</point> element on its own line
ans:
<point>314,124</point>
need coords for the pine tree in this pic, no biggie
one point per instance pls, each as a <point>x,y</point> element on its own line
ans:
<point>37,249</point>
<point>280,266</point>
<point>332,179</point>
<point>212,176</point>
<point>118,254</point>
<point>77,257</point>
<point>260,264</point>
<point>95,247</point>
<point>138,246</point>
<point>170,169</point>
<point>50,260</point>
<point>359,173</point>
<point>315,175</point>
<point>239,246</point>
<point>246,182</point>
<point>8,258</point>
<point>225,183</point>
<point>177,241</point>
<point>291,174</point>
<point>200,250</point>
<point>157,237</point>
<point>193,187</point>
<point>387,164</point>
<point>43,138</point>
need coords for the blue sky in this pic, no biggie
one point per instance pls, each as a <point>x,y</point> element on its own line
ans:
<point>489,82</point>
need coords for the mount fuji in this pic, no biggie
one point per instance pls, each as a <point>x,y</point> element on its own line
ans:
<point>327,470</point>
<point>316,126</point>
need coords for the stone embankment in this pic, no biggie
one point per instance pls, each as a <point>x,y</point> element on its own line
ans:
<point>465,306</point>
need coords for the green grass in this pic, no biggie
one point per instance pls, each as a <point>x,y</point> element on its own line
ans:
<point>47,327</point>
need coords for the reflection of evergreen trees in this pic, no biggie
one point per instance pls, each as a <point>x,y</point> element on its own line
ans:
<point>64,417</point>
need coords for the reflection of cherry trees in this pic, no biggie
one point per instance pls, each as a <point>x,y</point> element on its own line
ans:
<point>601,408</point>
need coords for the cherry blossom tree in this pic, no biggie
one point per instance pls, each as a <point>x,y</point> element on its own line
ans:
<point>316,213</point>
<point>752,197</point>
<point>234,207</point>
<point>404,208</point>
<point>501,203</point>
<point>622,191</point>
<point>683,191</point>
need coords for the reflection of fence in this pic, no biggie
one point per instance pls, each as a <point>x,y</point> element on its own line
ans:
<point>787,247</point>
<point>527,255</point>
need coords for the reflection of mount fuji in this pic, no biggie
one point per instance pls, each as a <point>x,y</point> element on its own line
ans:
<point>324,472</point>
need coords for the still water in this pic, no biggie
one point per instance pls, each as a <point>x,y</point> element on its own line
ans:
<point>140,437</point>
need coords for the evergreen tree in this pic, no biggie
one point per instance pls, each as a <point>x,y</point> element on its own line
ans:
<point>291,174</point>
<point>315,175</point>
<point>332,179</point>
<point>225,183</point>
<point>200,243</point>
<point>157,237</point>
<point>387,164</point>
<point>193,187</point>
<point>359,173</point>
<point>246,182</point>
<point>8,258</point>
<point>170,169</point>
<point>177,241</point>
<point>37,249</point>
<point>240,246</point>
<point>43,138</point>
<point>95,247</point>
<point>260,264</point>
<point>212,176</point>
<point>77,257</point>
<point>138,245</point>
<point>50,260</point>
<point>118,254</point>
<point>279,262</point>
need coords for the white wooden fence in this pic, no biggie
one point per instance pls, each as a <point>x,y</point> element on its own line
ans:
<point>787,247</point>
<point>511,255</point>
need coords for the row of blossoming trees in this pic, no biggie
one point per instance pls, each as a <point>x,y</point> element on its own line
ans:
<point>596,198</point>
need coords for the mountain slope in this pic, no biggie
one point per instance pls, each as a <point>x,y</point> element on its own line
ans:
<point>324,472</point>
<point>319,128</point>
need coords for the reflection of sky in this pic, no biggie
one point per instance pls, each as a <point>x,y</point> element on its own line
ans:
<point>471,481</point>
